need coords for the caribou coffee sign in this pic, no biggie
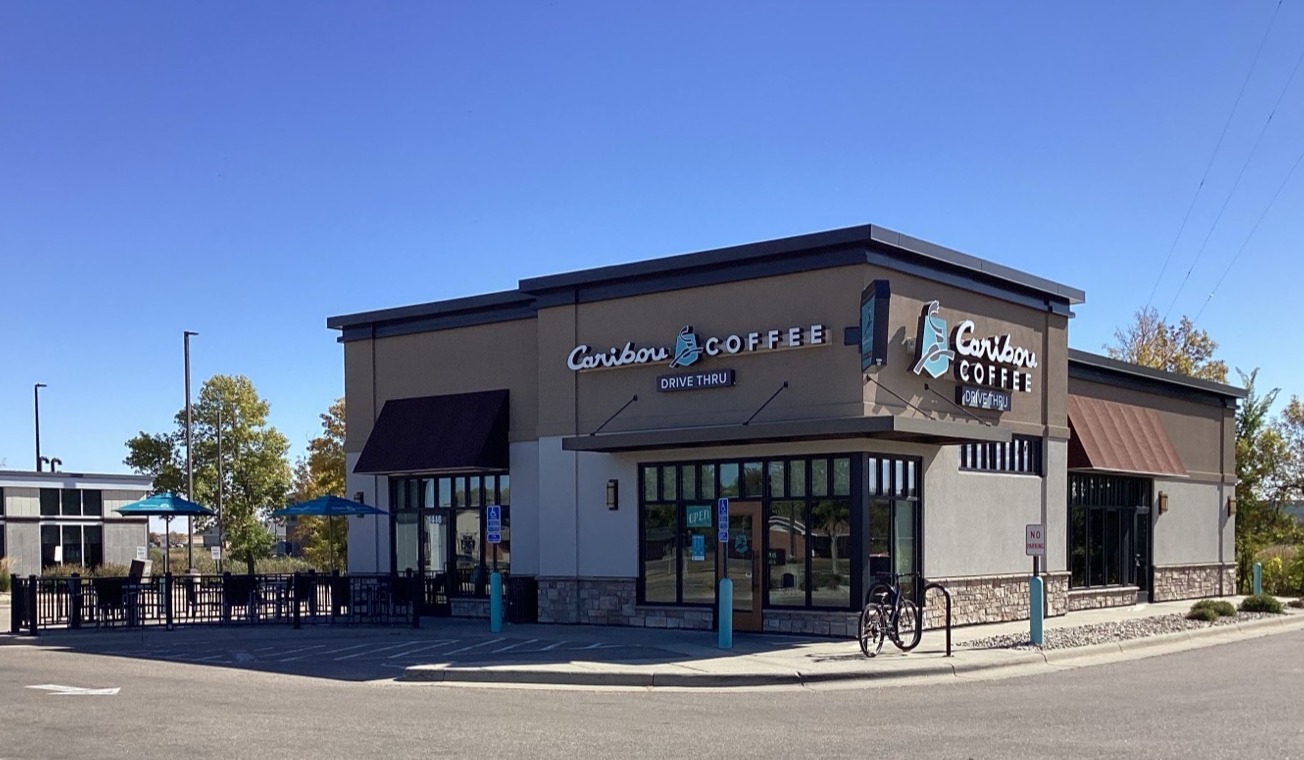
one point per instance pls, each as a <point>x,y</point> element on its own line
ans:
<point>689,347</point>
<point>986,362</point>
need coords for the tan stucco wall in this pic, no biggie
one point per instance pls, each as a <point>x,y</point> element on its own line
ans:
<point>460,360</point>
<point>1037,330</point>
<point>1204,436</point>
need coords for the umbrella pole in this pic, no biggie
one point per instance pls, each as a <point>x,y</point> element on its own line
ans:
<point>330,537</point>
<point>167,545</point>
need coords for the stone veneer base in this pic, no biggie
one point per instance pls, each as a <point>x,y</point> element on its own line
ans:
<point>613,601</point>
<point>1174,582</point>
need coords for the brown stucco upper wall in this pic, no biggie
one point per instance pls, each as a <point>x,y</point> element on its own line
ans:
<point>460,360</point>
<point>1039,331</point>
<point>1203,435</point>
<point>824,380</point>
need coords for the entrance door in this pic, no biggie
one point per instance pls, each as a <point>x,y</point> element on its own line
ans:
<point>435,562</point>
<point>743,555</point>
<point>1141,549</point>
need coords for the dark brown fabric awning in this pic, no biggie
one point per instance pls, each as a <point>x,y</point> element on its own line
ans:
<point>1113,437</point>
<point>462,431</point>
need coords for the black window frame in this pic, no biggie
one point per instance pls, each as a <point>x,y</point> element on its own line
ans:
<point>1023,455</point>
<point>460,487</point>
<point>902,480</point>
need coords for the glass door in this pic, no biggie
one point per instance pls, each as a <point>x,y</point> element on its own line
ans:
<point>743,556</point>
<point>435,561</point>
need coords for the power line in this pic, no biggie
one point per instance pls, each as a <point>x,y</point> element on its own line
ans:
<point>1237,183</point>
<point>1253,64</point>
<point>1298,160</point>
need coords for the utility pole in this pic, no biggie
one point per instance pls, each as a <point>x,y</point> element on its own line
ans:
<point>36,401</point>
<point>190,463</point>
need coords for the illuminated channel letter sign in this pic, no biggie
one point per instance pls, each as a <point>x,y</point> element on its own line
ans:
<point>987,368</point>
<point>689,347</point>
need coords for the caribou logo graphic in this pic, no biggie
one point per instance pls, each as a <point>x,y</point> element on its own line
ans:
<point>935,353</point>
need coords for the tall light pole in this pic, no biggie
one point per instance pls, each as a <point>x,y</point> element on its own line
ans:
<point>36,401</point>
<point>190,463</point>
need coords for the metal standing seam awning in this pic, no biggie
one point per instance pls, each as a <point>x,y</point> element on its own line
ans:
<point>1109,436</point>
<point>460,431</point>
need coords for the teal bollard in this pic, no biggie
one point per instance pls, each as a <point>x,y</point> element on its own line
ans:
<point>1258,578</point>
<point>1035,611</point>
<point>495,602</point>
<point>726,613</point>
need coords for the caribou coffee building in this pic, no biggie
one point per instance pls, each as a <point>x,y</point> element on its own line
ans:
<point>857,402</point>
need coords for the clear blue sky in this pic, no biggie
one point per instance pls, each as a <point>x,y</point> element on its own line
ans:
<point>246,169</point>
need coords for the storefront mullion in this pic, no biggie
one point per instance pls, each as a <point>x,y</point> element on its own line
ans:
<point>810,540</point>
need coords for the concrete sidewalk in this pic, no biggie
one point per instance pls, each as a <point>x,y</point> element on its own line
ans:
<point>778,660</point>
<point>464,651</point>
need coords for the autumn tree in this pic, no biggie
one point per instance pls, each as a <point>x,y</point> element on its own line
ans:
<point>1262,459</point>
<point>321,472</point>
<point>1180,348</point>
<point>254,473</point>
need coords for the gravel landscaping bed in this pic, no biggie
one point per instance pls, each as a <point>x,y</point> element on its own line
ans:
<point>1103,633</point>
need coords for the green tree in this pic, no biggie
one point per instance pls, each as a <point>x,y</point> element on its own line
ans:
<point>1180,348</point>
<point>1262,457</point>
<point>254,473</point>
<point>319,473</point>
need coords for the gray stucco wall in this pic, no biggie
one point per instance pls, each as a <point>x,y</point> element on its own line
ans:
<point>1191,530</point>
<point>23,544</point>
<point>121,540</point>
<point>974,521</point>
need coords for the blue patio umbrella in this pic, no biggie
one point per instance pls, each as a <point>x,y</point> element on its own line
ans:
<point>167,506</point>
<point>329,507</point>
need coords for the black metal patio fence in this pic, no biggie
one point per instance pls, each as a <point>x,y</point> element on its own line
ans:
<point>177,600</point>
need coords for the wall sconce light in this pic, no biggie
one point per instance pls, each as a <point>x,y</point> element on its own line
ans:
<point>1163,502</point>
<point>361,498</point>
<point>613,494</point>
<point>1231,505</point>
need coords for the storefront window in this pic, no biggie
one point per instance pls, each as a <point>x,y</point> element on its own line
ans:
<point>787,553</point>
<point>1102,541</point>
<point>813,558</point>
<point>830,546</point>
<point>438,528</point>
<point>659,554</point>
<point>698,558</point>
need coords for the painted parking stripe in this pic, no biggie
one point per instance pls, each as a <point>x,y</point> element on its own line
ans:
<point>330,651</point>
<point>374,651</point>
<point>510,647</point>
<point>435,645</point>
<point>473,646</point>
<point>300,649</point>
<point>551,647</point>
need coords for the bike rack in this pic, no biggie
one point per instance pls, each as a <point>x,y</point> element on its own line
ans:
<point>922,607</point>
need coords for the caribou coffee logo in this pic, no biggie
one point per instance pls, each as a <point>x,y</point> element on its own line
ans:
<point>992,362</point>
<point>935,354</point>
<point>689,347</point>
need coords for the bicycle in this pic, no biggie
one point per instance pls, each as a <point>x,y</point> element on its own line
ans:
<point>887,615</point>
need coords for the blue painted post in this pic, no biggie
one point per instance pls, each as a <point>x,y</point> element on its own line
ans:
<point>726,613</point>
<point>1035,611</point>
<point>495,602</point>
<point>1258,578</point>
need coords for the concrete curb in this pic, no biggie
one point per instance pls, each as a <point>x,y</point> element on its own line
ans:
<point>990,662</point>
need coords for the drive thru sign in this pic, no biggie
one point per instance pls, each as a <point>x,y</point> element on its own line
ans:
<point>1035,540</point>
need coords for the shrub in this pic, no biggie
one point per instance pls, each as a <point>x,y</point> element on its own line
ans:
<point>1220,606</point>
<point>4,574</point>
<point>1261,603</point>
<point>1202,613</point>
<point>64,571</point>
<point>1296,603</point>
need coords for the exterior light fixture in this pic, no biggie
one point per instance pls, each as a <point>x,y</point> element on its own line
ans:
<point>613,494</point>
<point>1163,502</point>
<point>1231,505</point>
